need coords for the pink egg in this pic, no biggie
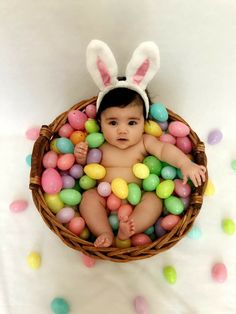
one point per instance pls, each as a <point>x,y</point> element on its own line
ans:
<point>51,181</point>
<point>65,161</point>
<point>124,210</point>
<point>88,261</point>
<point>77,119</point>
<point>182,190</point>
<point>65,214</point>
<point>90,111</point>
<point>169,222</point>
<point>167,138</point>
<point>178,129</point>
<point>113,202</point>
<point>219,272</point>
<point>18,206</point>
<point>66,130</point>
<point>140,239</point>
<point>32,133</point>
<point>141,306</point>
<point>94,156</point>
<point>184,144</point>
<point>104,189</point>
<point>76,225</point>
<point>50,159</point>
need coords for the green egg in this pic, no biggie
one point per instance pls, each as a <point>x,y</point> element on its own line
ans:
<point>170,275</point>
<point>168,172</point>
<point>114,222</point>
<point>70,197</point>
<point>179,174</point>
<point>77,186</point>
<point>60,306</point>
<point>174,205</point>
<point>151,182</point>
<point>91,126</point>
<point>87,183</point>
<point>165,188</point>
<point>53,202</point>
<point>228,226</point>
<point>95,140</point>
<point>134,193</point>
<point>149,231</point>
<point>153,164</point>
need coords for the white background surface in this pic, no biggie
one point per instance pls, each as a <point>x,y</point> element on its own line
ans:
<point>43,73</point>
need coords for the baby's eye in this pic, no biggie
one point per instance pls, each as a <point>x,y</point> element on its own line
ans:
<point>132,122</point>
<point>112,122</point>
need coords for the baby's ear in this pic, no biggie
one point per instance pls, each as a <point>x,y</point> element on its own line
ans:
<point>101,64</point>
<point>144,64</point>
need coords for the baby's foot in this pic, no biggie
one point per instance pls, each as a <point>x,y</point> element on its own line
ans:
<point>126,228</point>
<point>80,152</point>
<point>104,240</point>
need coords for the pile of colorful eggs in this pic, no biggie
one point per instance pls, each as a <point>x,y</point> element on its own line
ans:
<point>64,180</point>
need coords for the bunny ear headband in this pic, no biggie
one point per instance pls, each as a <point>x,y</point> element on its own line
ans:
<point>140,70</point>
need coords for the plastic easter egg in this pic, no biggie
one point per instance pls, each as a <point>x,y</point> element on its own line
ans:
<point>28,160</point>
<point>159,112</point>
<point>76,171</point>
<point>122,244</point>
<point>182,190</point>
<point>169,222</point>
<point>174,205</point>
<point>65,215</point>
<point>51,181</point>
<point>66,130</point>
<point>159,230</point>
<point>178,129</point>
<point>60,306</point>
<point>179,174</point>
<point>18,206</point>
<point>91,126</point>
<point>53,202</point>
<point>88,261</point>
<point>34,260</point>
<point>163,125</point>
<point>53,146</point>
<point>214,137</point>
<point>87,183</point>
<point>120,188</point>
<point>210,189</point>
<point>151,182</point>
<point>125,210</point>
<point>95,140</point>
<point>170,275</point>
<point>233,164</point>
<point>184,144</point>
<point>149,231</point>
<point>77,119</point>
<point>85,234</point>
<point>168,138</point>
<point>113,202</point>
<point>95,171</point>
<point>194,233</point>
<point>140,239</point>
<point>104,189</point>
<point>76,225</point>
<point>114,222</point>
<point>77,137</point>
<point>153,164</point>
<point>141,306</point>
<point>168,172</point>
<point>32,133</point>
<point>228,226</point>
<point>50,159</point>
<point>70,197</point>
<point>65,161</point>
<point>94,156</point>
<point>90,111</point>
<point>68,182</point>
<point>64,145</point>
<point>134,193</point>
<point>140,170</point>
<point>186,201</point>
<point>152,128</point>
<point>219,272</point>
<point>165,188</point>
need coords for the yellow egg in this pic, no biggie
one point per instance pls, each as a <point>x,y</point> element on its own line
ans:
<point>140,170</point>
<point>120,188</point>
<point>34,260</point>
<point>152,128</point>
<point>95,171</point>
<point>210,189</point>
<point>122,244</point>
<point>53,146</point>
<point>54,202</point>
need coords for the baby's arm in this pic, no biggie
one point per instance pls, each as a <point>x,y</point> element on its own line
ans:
<point>175,157</point>
<point>80,152</point>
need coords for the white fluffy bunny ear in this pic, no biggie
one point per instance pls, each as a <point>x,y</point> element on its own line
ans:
<point>143,65</point>
<point>101,64</point>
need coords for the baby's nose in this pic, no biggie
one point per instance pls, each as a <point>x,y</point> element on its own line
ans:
<point>122,128</point>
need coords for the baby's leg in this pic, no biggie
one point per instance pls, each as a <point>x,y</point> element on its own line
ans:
<point>92,209</point>
<point>144,216</point>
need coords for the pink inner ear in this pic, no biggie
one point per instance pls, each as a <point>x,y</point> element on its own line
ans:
<point>103,72</point>
<point>141,72</point>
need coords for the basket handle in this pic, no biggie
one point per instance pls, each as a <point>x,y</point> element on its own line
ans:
<point>38,151</point>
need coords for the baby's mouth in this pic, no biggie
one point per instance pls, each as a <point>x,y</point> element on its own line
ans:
<point>122,139</point>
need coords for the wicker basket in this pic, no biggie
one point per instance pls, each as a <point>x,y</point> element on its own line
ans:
<point>114,254</point>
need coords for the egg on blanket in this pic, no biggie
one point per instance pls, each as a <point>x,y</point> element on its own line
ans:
<point>95,171</point>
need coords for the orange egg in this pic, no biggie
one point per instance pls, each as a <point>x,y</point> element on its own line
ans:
<point>77,137</point>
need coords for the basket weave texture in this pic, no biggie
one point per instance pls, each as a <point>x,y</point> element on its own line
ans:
<point>114,254</point>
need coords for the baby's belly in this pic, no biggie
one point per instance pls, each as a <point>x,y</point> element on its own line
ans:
<point>120,172</point>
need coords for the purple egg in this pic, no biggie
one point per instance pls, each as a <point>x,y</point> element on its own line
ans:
<point>214,137</point>
<point>158,229</point>
<point>68,182</point>
<point>163,125</point>
<point>65,215</point>
<point>76,171</point>
<point>94,156</point>
<point>186,201</point>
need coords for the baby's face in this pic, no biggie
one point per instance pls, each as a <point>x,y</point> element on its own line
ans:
<point>123,127</point>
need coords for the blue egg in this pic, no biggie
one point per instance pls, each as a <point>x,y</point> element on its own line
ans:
<point>28,160</point>
<point>64,145</point>
<point>60,306</point>
<point>114,221</point>
<point>195,233</point>
<point>159,112</point>
<point>168,172</point>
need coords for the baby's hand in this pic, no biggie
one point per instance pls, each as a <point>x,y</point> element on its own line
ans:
<point>80,152</point>
<point>194,172</point>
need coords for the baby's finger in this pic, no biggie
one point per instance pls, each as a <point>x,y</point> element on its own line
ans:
<point>185,179</point>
